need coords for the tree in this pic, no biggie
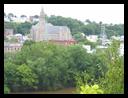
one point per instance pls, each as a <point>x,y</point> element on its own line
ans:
<point>88,21</point>
<point>25,77</point>
<point>78,36</point>
<point>10,15</point>
<point>36,16</point>
<point>23,16</point>
<point>6,89</point>
<point>29,42</point>
<point>24,28</point>
<point>9,74</point>
<point>113,81</point>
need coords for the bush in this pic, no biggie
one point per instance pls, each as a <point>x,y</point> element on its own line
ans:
<point>94,89</point>
<point>6,89</point>
<point>113,82</point>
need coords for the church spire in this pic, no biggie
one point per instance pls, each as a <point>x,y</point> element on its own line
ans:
<point>42,14</point>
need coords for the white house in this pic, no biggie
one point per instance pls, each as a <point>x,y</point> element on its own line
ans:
<point>6,19</point>
<point>115,37</point>
<point>19,37</point>
<point>87,47</point>
<point>25,38</point>
<point>121,49</point>
<point>83,34</point>
<point>19,19</point>
<point>122,38</point>
<point>101,47</point>
<point>92,38</point>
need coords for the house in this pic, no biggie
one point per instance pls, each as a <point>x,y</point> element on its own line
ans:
<point>88,48</point>
<point>101,47</point>
<point>121,49</point>
<point>8,33</point>
<point>92,38</point>
<point>9,47</point>
<point>115,37</point>
<point>19,37</point>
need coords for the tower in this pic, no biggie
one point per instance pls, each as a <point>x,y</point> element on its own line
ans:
<point>103,34</point>
<point>41,26</point>
<point>42,15</point>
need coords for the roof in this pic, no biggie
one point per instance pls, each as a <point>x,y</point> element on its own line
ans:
<point>55,29</point>
<point>12,44</point>
<point>18,35</point>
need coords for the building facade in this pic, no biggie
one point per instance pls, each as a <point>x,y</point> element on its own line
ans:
<point>8,47</point>
<point>44,31</point>
<point>8,32</point>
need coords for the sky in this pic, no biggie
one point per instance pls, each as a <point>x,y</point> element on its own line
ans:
<point>107,13</point>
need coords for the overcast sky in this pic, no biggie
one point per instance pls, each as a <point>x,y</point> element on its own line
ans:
<point>107,13</point>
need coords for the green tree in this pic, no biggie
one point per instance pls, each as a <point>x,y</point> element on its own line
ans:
<point>29,42</point>
<point>24,28</point>
<point>6,89</point>
<point>9,74</point>
<point>23,16</point>
<point>25,77</point>
<point>78,36</point>
<point>113,82</point>
<point>10,15</point>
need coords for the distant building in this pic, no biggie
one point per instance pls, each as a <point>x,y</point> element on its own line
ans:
<point>33,19</point>
<point>20,19</point>
<point>19,37</point>
<point>16,19</point>
<point>115,37</point>
<point>8,47</point>
<point>6,19</point>
<point>101,47</point>
<point>8,32</point>
<point>83,34</point>
<point>92,38</point>
<point>87,47</point>
<point>121,49</point>
<point>43,31</point>
<point>122,38</point>
<point>25,38</point>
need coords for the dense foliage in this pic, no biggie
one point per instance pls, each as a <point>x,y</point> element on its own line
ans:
<point>112,81</point>
<point>22,28</point>
<point>6,89</point>
<point>46,66</point>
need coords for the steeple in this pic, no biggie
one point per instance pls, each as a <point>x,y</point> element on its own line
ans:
<point>42,14</point>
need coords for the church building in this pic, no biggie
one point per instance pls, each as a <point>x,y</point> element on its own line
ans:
<point>44,31</point>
